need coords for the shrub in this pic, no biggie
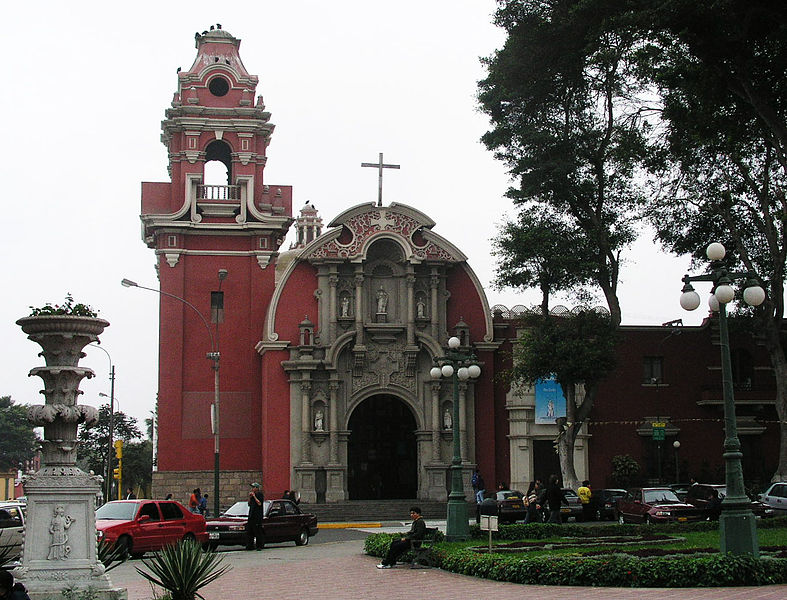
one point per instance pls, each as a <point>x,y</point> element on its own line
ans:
<point>625,470</point>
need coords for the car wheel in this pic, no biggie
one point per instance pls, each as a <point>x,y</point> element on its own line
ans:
<point>124,546</point>
<point>303,538</point>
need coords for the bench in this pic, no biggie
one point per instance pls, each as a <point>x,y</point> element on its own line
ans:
<point>422,550</point>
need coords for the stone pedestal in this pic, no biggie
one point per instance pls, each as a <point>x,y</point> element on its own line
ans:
<point>59,550</point>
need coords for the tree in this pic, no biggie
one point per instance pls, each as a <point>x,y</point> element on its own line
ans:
<point>93,449</point>
<point>18,441</point>
<point>567,121</point>
<point>720,72</point>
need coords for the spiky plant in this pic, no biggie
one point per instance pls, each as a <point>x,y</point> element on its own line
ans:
<point>110,555</point>
<point>183,569</point>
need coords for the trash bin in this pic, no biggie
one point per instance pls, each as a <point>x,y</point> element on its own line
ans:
<point>487,508</point>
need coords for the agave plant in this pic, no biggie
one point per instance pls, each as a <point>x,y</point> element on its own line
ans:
<point>183,569</point>
<point>111,555</point>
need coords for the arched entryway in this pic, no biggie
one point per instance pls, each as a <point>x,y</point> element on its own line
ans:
<point>381,451</point>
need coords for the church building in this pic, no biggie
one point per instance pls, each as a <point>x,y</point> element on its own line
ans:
<point>325,348</point>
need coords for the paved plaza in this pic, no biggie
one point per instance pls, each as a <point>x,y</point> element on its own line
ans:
<point>341,571</point>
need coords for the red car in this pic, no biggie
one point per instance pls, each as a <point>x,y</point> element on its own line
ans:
<point>656,505</point>
<point>282,521</point>
<point>139,526</point>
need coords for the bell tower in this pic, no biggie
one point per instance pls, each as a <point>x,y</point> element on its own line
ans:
<point>216,245</point>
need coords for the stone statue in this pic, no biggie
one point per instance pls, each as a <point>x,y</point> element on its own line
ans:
<point>345,307</point>
<point>420,308</point>
<point>382,301</point>
<point>318,421</point>
<point>59,548</point>
<point>448,422</point>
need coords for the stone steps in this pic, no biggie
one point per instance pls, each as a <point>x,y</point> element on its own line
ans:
<point>373,510</point>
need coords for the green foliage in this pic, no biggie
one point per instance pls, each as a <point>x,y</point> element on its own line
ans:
<point>110,555</point>
<point>625,470</point>
<point>18,442</point>
<point>377,544</point>
<point>183,569</point>
<point>68,308</point>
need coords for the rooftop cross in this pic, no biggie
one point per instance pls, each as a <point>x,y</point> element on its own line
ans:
<point>380,166</point>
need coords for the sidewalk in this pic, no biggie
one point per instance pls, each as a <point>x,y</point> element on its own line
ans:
<point>340,571</point>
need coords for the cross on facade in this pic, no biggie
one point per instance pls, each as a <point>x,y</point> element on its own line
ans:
<point>380,166</point>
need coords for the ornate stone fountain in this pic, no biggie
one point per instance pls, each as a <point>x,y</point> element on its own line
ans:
<point>59,550</point>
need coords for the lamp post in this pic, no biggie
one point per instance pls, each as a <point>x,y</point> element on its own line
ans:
<point>459,367</point>
<point>110,448</point>
<point>676,445</point>
<point>214,356</point>
<point>737,524</point>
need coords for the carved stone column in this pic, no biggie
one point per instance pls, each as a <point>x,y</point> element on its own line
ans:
<point>333,426</point>
<point>435,389</point>
<point>410,281</point>
<point>333,280</point>
<point>306,387</point>
<point>434,286</point>
<point>359,307</point>
<point>463,419</point>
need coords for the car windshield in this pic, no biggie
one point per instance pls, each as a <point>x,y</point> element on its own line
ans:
<point>658,496</point>
<point>241,509</point>
<point>117,511</point>
<point>509,495</point>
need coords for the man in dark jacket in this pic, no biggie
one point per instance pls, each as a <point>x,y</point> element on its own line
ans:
<point>402,545</point>
<point>555,498</point>
<point>9,590</point>
<point>254,524</point>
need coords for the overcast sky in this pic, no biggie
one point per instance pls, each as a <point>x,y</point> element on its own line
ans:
<point>85,87</point>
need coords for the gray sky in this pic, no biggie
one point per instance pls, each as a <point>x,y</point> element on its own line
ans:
<point>85,89</point>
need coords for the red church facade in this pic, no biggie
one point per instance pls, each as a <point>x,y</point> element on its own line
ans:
<point>326,348</point>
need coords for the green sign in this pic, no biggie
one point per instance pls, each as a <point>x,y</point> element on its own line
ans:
<point>659,431</point>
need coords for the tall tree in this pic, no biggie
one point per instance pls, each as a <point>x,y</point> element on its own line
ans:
<point>720,70</point>
<point>18,442</point>
<point>567,120</point>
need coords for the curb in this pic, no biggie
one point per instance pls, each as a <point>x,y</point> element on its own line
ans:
<point>359,524</point>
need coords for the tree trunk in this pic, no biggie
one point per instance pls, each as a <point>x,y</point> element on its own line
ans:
<point>575,417</point>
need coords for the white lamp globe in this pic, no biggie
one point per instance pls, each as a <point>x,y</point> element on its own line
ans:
<point>463,374</point>
<point>435,373</point>
<point>453,342</point>
<point>715,251</point>
<point>689,300</point>
<point>724,293</point>
<point>754,295</point>
<point>447,370</point>
<point>713,304</point>
<point>474,371</point>
<point>676,444</point>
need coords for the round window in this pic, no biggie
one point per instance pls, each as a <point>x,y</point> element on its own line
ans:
<point>219,86</point>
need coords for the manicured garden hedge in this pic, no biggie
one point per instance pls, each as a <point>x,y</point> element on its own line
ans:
<point>618,570</point>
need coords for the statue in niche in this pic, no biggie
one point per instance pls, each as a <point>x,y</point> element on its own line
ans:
<point>344,310</point>
<point>420,308</point>
<point>319,420</point>
<point>382,301</point>
<point>59,548</point>
<point>448,421</point>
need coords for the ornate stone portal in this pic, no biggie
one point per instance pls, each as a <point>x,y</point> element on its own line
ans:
<point>59,550</point>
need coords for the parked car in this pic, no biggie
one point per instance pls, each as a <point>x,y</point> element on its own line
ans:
<point>709,496</point>
<point>775,499</point>
<point>574,508</point>
<point>680,489</point>
<point>656,505</point>
<point>605,501</point>
<point>282,521</point>
<point>510,506</point>
<point>12,524</point>
<point>139,526</point>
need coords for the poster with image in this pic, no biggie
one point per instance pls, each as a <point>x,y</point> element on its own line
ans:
<point>550,402</point>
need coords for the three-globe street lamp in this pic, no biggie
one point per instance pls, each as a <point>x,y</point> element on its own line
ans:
<point>737,524</point>
<point>213,356</point>
<point>459,367</point>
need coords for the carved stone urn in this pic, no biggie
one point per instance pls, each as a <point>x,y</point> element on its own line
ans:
<point>59,549</point>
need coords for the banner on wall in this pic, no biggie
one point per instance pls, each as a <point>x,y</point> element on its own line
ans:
<point>550,402</point>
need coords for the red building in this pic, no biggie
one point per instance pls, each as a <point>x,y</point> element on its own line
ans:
<point>326,348</point>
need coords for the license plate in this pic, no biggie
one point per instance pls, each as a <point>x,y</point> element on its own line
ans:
<point>516,506</point>
<point>213,535</point>
<point>565,510</point>
<point>682,519</point>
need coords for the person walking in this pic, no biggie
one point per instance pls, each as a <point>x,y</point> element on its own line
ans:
<point>203,505</point>
<point>479,487</point>
<point>398,547</point>
<point>533,505</point>
<point>254,539</point>
<point>555,499</point>
<point>194,500</point>
<point>586,498</point>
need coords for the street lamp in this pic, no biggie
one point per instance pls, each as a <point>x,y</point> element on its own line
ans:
<point>108,468</point>
<point>737,524</point>
<point>676,445</point>
<point>213,356</point>
<point>458,366</point>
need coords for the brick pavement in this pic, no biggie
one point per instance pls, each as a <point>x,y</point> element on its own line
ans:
<point>340,571</point>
